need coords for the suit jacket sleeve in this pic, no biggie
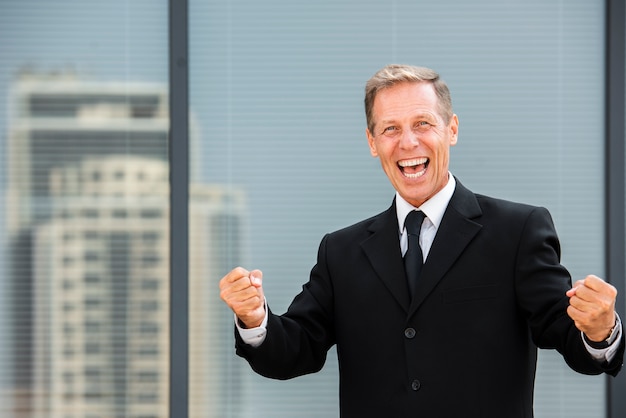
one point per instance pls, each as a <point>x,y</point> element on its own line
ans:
<point>298,341</point>
<point>538,273</point>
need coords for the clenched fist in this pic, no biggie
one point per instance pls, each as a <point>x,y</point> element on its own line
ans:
<point>592,307</point>
<point>242,291</point>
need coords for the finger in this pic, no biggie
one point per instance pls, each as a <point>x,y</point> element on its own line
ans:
<point>596,284</point>
<point>600,286</point>
<point>235,274</point>
<point>241,288</point>
<point>256,278</point>
<point>603,294</point>
<point>582,293</point>
<point>249,298</point>
<point>579,318</point>
<point>241,299</point>
<point>233,284</point>
<point>575,314</point>
<point>595,325</point>
<point>580,304</point>
<point>588,299</point>
<point>582,317</point>
<point>239,279</point>
<point>584,289</point>
<point>592,281</point>
<point>598,312</point>
<point>574,288</point>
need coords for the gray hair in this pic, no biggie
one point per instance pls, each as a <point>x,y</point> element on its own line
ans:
<point>397,73</point>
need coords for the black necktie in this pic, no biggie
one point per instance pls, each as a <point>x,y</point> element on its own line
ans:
<point>413,258</point>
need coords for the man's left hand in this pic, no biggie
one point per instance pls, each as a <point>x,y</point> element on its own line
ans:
<point>592,307</point>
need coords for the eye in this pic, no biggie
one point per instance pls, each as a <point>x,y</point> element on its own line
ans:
<point>390,131</point>
<point>422,125</point>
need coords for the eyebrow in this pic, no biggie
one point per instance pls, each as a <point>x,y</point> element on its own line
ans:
<point>421,115</point>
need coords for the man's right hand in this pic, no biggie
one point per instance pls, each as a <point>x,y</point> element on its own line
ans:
<point>242,290</point>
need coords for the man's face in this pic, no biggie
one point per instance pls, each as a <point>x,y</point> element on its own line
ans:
<point>412,140</point>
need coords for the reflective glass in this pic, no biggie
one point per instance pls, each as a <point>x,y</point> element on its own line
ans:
<point>276,97</point>
<point>85,208</point>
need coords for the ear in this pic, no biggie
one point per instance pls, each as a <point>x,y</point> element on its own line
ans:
<point>371,142</point>
<point>454,130</point>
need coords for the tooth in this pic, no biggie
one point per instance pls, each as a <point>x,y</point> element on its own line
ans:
<point>415,175</point>
<point>409,163</point>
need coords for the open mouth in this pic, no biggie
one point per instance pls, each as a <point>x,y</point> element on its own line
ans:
<point>413,168</point>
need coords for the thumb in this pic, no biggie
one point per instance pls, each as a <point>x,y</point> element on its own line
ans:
<point>256,278</point>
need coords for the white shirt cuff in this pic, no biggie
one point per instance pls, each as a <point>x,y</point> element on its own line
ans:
<point>606,354</point>
<point>253,336</point>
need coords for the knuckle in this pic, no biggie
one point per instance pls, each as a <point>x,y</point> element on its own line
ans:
<point>571,312</point>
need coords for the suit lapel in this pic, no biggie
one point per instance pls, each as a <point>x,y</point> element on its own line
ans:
<point>382,248</point>
<point>455,232</point>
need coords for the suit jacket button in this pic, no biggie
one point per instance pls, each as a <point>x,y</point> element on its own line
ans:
<point>409,333</point>
<point>416,385</point>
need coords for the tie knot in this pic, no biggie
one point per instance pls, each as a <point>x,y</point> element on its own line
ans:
<point>413,222</point>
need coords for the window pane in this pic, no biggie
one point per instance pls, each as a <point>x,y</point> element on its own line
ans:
<point>85,206</point>
<point>276,97</point>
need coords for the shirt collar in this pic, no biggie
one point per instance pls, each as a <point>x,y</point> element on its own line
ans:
<point>433,208</point>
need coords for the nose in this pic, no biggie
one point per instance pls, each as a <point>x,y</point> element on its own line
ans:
<point>409,139</point>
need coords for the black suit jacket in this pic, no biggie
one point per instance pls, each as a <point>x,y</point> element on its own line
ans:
<point>491,291</point>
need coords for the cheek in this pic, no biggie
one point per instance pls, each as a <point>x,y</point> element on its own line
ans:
<point>443,161</point>
<point>442,157</point>
<point>382,150</point>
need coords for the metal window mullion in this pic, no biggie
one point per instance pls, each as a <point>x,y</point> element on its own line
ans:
<point>179,204</point>
<point>615,179</point>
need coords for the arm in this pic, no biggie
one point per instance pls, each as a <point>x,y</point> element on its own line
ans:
<point>546,295</point>
<point>295,343</point>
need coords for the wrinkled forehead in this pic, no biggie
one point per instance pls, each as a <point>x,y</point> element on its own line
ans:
<point>406,100</point>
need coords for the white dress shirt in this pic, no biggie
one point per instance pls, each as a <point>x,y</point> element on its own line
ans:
<point>434,209</point>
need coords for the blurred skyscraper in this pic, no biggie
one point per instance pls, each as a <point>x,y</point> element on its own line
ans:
<point>88,223</point>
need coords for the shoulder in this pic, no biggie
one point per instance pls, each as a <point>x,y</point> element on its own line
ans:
<point>477,205</point>
<point>511,219</point>
<point>366,226</point>
<point>493,204</point>
<point>500,213</point>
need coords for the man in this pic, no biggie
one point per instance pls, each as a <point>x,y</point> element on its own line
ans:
<point>462,342</point>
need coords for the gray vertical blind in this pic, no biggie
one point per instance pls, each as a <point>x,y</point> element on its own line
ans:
<point>276,89</point>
